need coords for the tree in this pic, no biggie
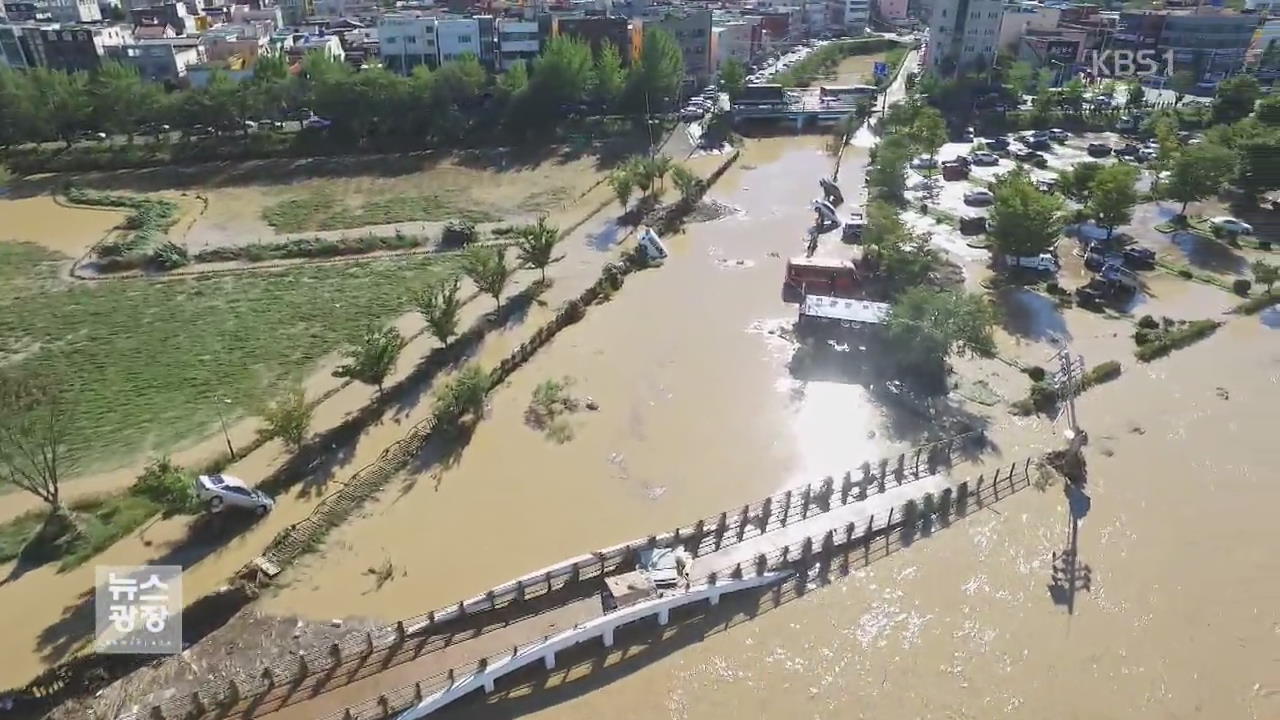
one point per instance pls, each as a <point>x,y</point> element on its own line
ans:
<point>926,326</point>
<point>1073,93</point>
<point>19,119</point>
<point>609,76</point>
<point>1024,221</point>
<point>1135,96</point>
<point>623,184</point>
<point>733,77</point>
<point>686,182</point>
<point>1235,98</point>
<point>116,89</point>
<point>1271,56</point>
<point>1113,195</point>
<point>62,101</point>
<point>902,258</point>
<point>537,245</point>
<point>1258,171</point>
<point>462,394</point>
<point>655,78</point>
<point>643,172</point>
<point>1265,274</point>
<point>660,166</point>
<point>1166,132</point>
<point>1269,110</point>
<point>515,79</point>
<point>289,416</point>
<point>1182,82</point>
<point>34,420</point>
<point>1198,172</point>
<point>1077,183</point>
<point>928,132</point>
<point>1020,76</point>
<point>440,307</point>
<point>561,74</point>
<point>371,360</point>
<point>887,177</point>
<point>488,269</point>
<point>457,82</point>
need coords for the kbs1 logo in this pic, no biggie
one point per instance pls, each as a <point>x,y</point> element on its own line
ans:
<point>1132,63</point>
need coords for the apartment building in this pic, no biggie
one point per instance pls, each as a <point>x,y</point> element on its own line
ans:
<point>626,35</point>
<point>692,31</point>
<point>234,41</point>
<point>72,11</point>
<point>963,34</point>
<point>406,41</point>
<point>72,48</point>
<point>1021,17</point>
<point>893,11</point>
<point>730,41</point>
<point>518,39</point>
<point>1208,41</point>
<point>857,13</point>
<point>13,46</point>
<point>165,60</point>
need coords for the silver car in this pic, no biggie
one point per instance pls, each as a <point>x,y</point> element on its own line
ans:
<point>219,491</point>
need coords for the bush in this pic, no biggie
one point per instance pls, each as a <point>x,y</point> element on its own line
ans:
<point>1036,373</point>
<point>1173,339</point>
<point>1241,286</point>
<point>459,233</point>
<point>1146,336</point>
<point>169,256</point>
<point>1103,372</point>
<point>1184,273</point>
<point>168,485</point>
<point>1044,396</point>
<point>1148,322</point>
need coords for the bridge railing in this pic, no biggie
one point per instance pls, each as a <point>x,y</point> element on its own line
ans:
<point>801,552</point>
<point>359,655</point>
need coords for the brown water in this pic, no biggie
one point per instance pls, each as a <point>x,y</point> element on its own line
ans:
<point>40,220</point>
<point>697,412</point>
<point>1180,619</point>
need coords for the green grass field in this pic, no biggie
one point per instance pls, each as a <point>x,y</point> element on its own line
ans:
<point>143,361</point>
<point>325,211</point>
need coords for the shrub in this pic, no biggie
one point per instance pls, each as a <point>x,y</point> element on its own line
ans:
<point>459,233</point>
<point>169,256</point>
<point>1146,336</point>
<point>1103,372</point>
<point>928,506</point>
<point>168,485</point>
<point>1184,273</point>
<point>1148,322</point>
<point>1172,340</point>
<point>944,503</point>
<point>910,513</point>
<point>1241,286</point>
<point>1036,373</point>
<point>1044,396</point>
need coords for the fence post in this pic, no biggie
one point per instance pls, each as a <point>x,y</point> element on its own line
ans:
<point>336,651</point>
<point>575,572</point>
<point>400,633</point>
<point>302,666</point>
<point>697,531</point>
<point>1026,468</point>
<point>520,590</point>
<point>385,705</point>
<point>368,642</point>
<point>548,576</point>
<point>450,677</point>
<point>764,514</point>
<point>786,509</point>
<point>848,532</point>
<point>884,472</point>
<point>417,692</point>
<point>488,595</point>
<point>762,564</point>
<point>808,494</point>
<point>915,470</point>
<point>462,609</point>
<point>742,520</point>
<point>866,475</point>
<point>431,618</point>
<point>900,472</point>
<point>845,486</point>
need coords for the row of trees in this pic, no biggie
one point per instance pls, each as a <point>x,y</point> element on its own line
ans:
<point>648,174</point>
<point>42,104</point>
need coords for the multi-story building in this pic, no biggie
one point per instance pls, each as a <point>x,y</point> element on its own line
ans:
<point>72,48</point>
<point>234,41</point>
<point>26,12</point>
<point>518,39</point>
<point>1266,44</point>
<point>1021,17</point>
<point>730,41</point>
<point>1206,41</point>
<point>295,12</point>
<point>963,34</point>
<point>893,12</point>
<point>72,11</point>
<point>407,40</point>
<point>456,37</point>
<point>692,32</point>
<point>14,44</point>
<point>173,14</point>
<point>626,35</point>
<point>857,13</point>
<point>267,20</point>
<point>165,60</point>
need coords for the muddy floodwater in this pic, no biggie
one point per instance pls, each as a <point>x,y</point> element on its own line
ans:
<point>1174,613</point>
<point>41,220</point>
<point>698,412</point>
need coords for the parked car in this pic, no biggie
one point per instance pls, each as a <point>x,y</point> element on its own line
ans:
<point>924,162</point>
<point>691,114</point>
<point>1137,256</point>
<point>1059,135</point>
<point>315,122</point>
<point>1097,149</point>
<point>984,158</point>
<point>1045,185</point>
<point>996,143</point>
<point>1231,225</point>
<point>91,135</point>
<point>1128,150</point>
<point>1147,154</point>
<point>219,491</point>
<point>1043,261</point>
<point>979,197</point>
<point>1031,157</point>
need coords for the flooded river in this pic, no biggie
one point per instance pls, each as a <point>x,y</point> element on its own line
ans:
<point>698,412</point>
<point>1178,619</point>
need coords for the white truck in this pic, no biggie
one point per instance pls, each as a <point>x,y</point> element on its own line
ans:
<point>1043,261</point>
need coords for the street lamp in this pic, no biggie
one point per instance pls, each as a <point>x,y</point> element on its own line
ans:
<point>218,402</point>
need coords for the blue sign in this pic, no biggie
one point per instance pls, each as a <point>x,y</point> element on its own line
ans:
<point>882,69</point>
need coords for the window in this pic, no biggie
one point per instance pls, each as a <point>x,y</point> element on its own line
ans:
<point>390,39</point>
<point>411,39</point>
<point>464,39</point>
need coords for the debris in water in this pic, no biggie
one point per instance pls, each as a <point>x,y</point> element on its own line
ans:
<point>335,623</point>
<point>1106,451</point>
<point>1136,429</point>
<point>871,434</point>
<point>591,404</point>
<point>1222,393</point>
<point>655,492</point>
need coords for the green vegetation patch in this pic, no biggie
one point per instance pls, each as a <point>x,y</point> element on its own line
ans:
<point>103,521</point>
<point>1157,342</point>
<point>15,532</point>
<point>143,362</point>
<point>324,210</point>
<point>311,248</point>
<point>1256,304</point>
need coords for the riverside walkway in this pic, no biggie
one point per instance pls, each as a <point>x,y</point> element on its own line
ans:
<point>420,664</point>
